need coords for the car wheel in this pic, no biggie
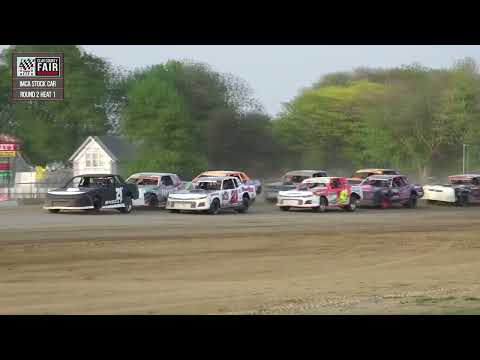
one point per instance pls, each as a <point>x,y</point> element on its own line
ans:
<point>353,204</point>
<point>151,200</point>
<point>173,211</point>
<point>284,208</point>
<point>97,205</point>
<point>54,211</point>
<point>412,202</point>
<point>214,207</point>
<point>128,206</point>
<point>323,204</point>
<point>462,200</point>
<point>244,207</point>
<point>259,190</point>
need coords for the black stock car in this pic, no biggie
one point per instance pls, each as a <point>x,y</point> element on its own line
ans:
<point>92,192</point>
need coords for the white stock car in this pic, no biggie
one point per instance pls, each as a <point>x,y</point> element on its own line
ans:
<point>210,194</point>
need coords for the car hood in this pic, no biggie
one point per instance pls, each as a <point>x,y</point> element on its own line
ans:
<point>294,193</point>
<point>70,191</point>
<point>192,194</point>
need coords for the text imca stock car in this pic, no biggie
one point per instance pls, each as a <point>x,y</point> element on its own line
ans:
<point>319,194</point>
<point>92,192</point>
<point>210,194</point>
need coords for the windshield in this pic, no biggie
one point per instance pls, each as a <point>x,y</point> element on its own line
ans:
<point>294,179</point>
<point>89,182</point>
<point>376,182</point>
<point>362,175</point>
<point>143,180</point>
<point>309,186</point>
<point>205,185</point>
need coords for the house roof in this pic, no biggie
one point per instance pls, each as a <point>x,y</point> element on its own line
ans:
<point>116,147</point>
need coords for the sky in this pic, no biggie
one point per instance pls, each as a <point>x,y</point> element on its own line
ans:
<point>277,73</point>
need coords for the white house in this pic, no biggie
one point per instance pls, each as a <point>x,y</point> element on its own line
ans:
<point>101,155</point>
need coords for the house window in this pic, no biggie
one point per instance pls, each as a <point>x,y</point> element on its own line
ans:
<point>93,159</point>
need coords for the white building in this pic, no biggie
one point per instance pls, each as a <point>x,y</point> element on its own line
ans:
<point>101,155</point>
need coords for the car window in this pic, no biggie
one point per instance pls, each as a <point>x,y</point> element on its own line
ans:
<point>167,181</point>
<point>228,184</point>
<point>377,183</point>
<point>206,185</point>
<point>319,174</point>
<point>237,183</point>
<point>119,180</point>
<point>335,183</point>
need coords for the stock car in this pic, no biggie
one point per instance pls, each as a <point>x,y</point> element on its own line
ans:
<point>244,178</point>
<point>385,190</point>
<point>211,194</point>
<point>289,182</point>
<point>462,190</point>
<point>154,188</point>
<point>321,193</point>
<point>92,192</point>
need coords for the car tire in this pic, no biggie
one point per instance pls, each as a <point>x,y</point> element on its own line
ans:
<point>323,204</point>
<point>97,205</point>
<point>383,201</point>
<point>214,207</point>
<point>54,211</point>
<point>245,205</point>
<point>412,202</point>
<point>259,190</point>
<point>462,200</point>
<point>353,204</point>
<point>284,208</point>
<point>174,211</point>
<point>128,206</point>
<point>151,200</point>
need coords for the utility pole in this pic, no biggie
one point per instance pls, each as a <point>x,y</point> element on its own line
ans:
<point>464,152</point>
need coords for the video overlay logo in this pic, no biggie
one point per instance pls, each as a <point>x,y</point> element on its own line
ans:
<point>37,76</point>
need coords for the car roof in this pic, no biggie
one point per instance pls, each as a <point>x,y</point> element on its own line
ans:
<point>151,174</point>
<point>303,172</point>
<point>374,170</point>
<point>464,176</point>
<point>384,177</point>
<point>221,172</point>
<point>96,175</point>
<point>214,178</point>
<point>320,180</point>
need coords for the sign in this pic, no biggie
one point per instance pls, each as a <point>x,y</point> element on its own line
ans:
<point>5,173</point>
<point>4,153</point>
<point>37,76</point>
<point>8,147</point>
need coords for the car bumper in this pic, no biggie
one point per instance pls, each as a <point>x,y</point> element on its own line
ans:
<point>65,203</point>
<point>443,195</point>
<point>190,205</point>
<point>306,202</point>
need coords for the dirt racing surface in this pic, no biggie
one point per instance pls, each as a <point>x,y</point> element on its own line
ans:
<point>395,261</point>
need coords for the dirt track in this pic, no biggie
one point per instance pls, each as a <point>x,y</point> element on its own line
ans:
<point>266,261</point>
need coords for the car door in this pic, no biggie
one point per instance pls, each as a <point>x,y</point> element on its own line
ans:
<point>229,193</point>
<point>395,189</point>
<point>475,190</point>
<point>405,189</point>
<point>167,185</point>
<point>112,193</point>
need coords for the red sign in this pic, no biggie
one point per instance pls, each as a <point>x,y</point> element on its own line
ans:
<point>4,166</point>
<point>8,147</point>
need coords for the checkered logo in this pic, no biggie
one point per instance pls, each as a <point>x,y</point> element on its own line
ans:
<point>25,66</point>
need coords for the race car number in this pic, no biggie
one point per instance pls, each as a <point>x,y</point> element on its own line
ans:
<point>234,198</point>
